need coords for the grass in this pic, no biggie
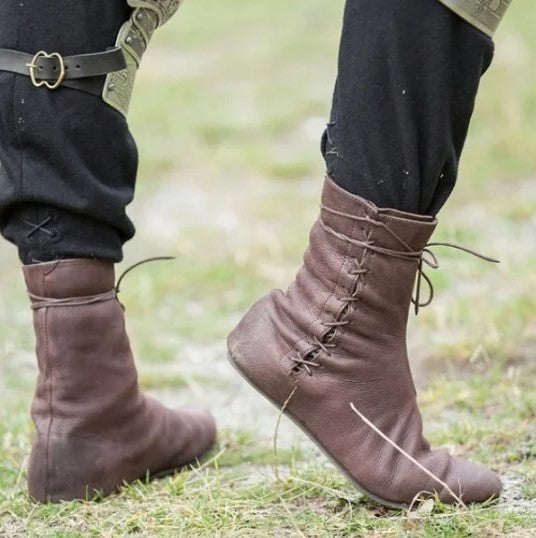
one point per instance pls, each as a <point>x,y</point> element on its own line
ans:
<point>307,503</point>
<point>228,112</point>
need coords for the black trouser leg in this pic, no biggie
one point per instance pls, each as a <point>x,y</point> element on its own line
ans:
<point>408,77</point>
<point>68,161</point>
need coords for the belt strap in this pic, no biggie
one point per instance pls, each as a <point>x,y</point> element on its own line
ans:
<point>80,72</point>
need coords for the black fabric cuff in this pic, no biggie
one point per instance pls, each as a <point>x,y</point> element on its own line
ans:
<point>45,233</point>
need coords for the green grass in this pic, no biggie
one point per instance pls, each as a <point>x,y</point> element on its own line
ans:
<point>228,111</point>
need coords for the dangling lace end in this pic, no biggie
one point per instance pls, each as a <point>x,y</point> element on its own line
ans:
<point>464,249</point>
<point>132,267</point>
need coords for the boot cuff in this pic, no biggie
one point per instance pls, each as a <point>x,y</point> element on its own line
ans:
<point>341,211</point>
<point>69,278</point>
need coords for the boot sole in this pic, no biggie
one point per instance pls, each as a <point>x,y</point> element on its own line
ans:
<point>166,473</point>
<point>145,478</point>
<point>351,479</point>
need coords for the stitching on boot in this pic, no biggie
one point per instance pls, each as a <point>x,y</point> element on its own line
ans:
<point>358,287</point>
<point>332,294</point>
<point>306,332</point>
<point>308,360</point>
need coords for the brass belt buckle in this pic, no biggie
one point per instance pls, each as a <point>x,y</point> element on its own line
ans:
<point>33,66</point>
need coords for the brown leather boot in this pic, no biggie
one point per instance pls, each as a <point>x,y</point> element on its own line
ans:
<point>95,429</point>
<point>337,338</point>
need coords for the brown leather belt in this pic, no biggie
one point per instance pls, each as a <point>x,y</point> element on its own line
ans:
<point>52,70</point>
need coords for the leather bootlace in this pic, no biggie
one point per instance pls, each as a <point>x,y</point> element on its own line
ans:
<point>112,295</point>
<point>424,257</point>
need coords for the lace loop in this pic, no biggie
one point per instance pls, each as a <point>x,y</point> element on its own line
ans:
<point>433,263</point>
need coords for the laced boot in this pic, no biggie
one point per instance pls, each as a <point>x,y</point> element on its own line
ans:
<point>331,352</point>
<point>95,429</point>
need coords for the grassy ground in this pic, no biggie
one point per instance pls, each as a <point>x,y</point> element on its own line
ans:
<point>230,105</point>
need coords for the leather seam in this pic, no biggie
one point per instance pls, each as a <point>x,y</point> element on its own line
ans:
<point>49,368</point>
<point>66,263</point>
<point>47,273</point>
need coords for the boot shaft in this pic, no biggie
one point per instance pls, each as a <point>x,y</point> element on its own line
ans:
<point>86,369</point>
<point>358,272</point>
<point>95,428</point>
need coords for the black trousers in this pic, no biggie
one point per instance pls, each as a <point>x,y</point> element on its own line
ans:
<point>408,77</point>
<point>69,162</point>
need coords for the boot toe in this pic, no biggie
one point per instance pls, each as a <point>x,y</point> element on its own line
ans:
<point>202,431</point>
<point>473,482</point>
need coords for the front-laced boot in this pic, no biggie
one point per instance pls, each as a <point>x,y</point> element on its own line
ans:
<point>331,351</point>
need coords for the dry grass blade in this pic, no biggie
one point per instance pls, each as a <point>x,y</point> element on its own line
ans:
<point>276,432</point>
<point>457,498</point>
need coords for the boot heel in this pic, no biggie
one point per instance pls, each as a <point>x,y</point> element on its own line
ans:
<point>65,469</point>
